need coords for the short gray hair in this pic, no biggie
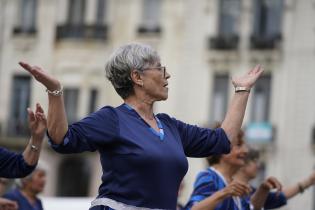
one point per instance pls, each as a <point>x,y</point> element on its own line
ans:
<point>21,181</point>
<point>123,60</point>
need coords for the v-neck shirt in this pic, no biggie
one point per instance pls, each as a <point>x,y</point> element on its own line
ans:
<point>140,169</point>
<point>209,182</point>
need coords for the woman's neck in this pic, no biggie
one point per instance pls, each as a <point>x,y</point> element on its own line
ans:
<point>143,107</point>
<point>30,196</point>
<point>226,170</point>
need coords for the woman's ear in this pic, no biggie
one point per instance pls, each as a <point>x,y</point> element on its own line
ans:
<point>136,77</point>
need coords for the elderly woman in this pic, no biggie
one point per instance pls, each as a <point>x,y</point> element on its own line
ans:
<point>143,155</point>
<point>214,188</point>
<point>27,190</point>
<point>13,165</point>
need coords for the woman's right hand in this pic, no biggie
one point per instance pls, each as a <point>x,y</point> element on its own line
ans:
<point>41,76</point>
<point>237,188</point>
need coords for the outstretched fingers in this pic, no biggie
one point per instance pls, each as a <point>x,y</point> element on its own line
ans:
<point>31,115</point>
<point>26,66</point>
<point>39,108</point>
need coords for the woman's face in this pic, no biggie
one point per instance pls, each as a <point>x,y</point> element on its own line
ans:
<point>37,181</point>
<point>155,82</point>
<point>237,155</point>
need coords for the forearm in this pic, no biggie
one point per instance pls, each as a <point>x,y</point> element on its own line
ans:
<point>57,123</point>
<point>235,114</point>
<point>32,150</point>
<point>211,202</point>
<point>258,199</point>
<point>299,187</point>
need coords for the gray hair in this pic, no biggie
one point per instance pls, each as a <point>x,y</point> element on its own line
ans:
<point>21,181</point>
<point>123,60</point>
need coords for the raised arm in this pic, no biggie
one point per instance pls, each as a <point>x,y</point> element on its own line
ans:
<point>235,114</point>
<point>37,124</point>
<point>299,187</point>
<point>57,123</point>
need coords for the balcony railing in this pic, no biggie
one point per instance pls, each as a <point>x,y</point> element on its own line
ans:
<point>82,31</point>
<point>224,42</point>
<point>144,29</point>
<point>265,42</point>
<point>26,31</point>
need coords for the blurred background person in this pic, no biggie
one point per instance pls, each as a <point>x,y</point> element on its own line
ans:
<point>215,188</point>
<point>27,190</point>
<point>270,200</point>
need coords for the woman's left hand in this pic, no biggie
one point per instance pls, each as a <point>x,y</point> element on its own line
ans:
<point>37,122</point>
<point>249,79</point>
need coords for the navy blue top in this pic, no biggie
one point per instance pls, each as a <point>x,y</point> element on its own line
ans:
<point>24,204</point>
<point>209,182</point>
<point>13,165</point>
<point>273,201</point>
<point>141,167</point>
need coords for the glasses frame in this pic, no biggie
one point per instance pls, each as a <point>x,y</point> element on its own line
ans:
<point>160,68</point>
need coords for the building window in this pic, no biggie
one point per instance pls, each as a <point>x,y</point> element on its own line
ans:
<point>261,100</point>
<point>71,96</point>
<point>75,27</point>
<point>20,101</point>
<point>267,24</point>
<point>150,16</point>
<point>101,12</point>
<point>76,12</point>
<point>93,100</point>
<point>227,38</point>
<point>220,97</point>
<point>27,13</point>
<point>74,177</point>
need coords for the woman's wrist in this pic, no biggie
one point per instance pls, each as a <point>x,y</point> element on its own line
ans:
<point>239,89</point>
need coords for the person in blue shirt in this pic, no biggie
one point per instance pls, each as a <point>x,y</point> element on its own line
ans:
<point>215,188</point>
<point>14,165</point>
<point>143,154</point>
<point>27,190</point>
<point>268,199</point>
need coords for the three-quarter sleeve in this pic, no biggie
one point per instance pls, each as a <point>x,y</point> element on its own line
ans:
<point>89,134</point>
<point>13,165</point>
<point>275,200</point>
<point>204,186</point>
<point>202,142</point>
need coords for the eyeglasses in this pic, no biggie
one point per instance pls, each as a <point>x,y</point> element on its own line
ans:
<point>160,68</point>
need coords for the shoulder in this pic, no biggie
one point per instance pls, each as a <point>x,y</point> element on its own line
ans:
<point>164,116</point>
<point>168,119</point>
<point>205,177</point>
<point>13,194</point>
<point>105,113</point>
